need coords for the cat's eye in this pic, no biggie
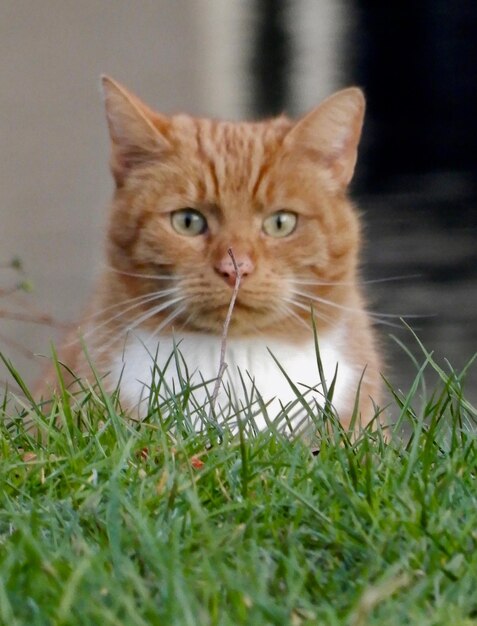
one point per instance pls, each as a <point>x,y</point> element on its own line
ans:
<point>188,222</point>
<point>280,224</point>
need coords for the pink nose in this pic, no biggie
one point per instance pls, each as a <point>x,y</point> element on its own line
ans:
<point>226,269</point>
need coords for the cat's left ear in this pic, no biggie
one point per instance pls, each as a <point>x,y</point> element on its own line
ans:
<point>332,132</point>
<point>137,133</point>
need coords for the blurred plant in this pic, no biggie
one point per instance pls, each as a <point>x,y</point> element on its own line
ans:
<point>14,285</point>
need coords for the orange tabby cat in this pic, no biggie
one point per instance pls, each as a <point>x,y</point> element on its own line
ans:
<point>274,192</point>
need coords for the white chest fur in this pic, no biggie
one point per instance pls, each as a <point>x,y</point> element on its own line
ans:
<point>250,367</point>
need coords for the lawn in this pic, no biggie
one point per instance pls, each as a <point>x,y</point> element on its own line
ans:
<point>103,521</point>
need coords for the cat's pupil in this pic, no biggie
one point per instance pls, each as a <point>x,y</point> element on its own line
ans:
<point>280,224</point>
<point>188,222</point>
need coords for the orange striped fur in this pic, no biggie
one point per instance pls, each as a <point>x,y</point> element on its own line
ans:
<point>236,174</point>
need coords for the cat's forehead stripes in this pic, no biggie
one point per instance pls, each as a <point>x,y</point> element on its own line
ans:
<point>232,157</point>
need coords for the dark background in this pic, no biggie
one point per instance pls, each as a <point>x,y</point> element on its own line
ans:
<point>417,170</point>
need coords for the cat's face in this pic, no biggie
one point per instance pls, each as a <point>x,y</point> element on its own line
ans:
<point>188,190</point>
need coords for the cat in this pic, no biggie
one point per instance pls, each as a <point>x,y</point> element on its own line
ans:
<point>274,192</point>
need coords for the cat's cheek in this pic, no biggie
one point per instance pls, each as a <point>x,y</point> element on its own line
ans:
<point>159,243</point>
<point>310,249</point>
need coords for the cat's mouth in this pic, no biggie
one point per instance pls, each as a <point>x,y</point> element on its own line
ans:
<point>239,307</point>
<point>217,314</point>
<point>243,317</point>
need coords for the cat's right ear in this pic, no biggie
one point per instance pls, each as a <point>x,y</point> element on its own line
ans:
<point>137,133</point>
<point>331,133</point>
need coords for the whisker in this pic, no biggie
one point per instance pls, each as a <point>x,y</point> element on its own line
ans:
<point>344,307</point>
<point>325,283</point>
<point>191,316</point>
<point>378,320</point>
<point>291,312</point>
<point>304,307</point>
<point>153,311</point>
<point>140,300</point>
<point>377,317</point>
<point>141,275</point>
<point>149,298</point>
<point>168,320</point>
<point>390,279</point>
<point>125,331</point>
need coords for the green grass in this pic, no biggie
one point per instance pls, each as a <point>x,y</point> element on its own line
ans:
<point>106,522</point>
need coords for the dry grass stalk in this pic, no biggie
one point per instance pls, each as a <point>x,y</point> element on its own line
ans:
<point>223,345</point>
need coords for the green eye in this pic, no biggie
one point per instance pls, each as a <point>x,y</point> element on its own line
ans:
<point>280,224</point>
<point>188,222</point>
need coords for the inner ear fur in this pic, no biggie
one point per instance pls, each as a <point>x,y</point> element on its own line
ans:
<point>137,133</point>
<point>332,131</point>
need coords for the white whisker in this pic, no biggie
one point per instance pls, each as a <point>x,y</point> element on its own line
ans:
<point>153,311</point>
<point>148,298</point>
<point>376,317</point>
<point>142,298</point>
<point>390,279</point>
<point>140,275</point>
<point>304,307</point>
<point>142,318</point>
<point>191,315</point>
<point>326,283</point>
<point>291,312</point>
<point>168,320</point>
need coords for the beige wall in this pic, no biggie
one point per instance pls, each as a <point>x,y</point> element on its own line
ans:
<point>54,180</point>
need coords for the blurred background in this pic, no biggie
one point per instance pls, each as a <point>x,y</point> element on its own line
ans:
<point>416,177</point>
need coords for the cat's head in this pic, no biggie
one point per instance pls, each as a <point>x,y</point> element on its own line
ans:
<point>274,192</point>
